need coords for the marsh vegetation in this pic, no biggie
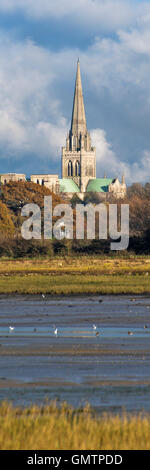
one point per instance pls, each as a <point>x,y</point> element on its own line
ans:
<point>62,428</point>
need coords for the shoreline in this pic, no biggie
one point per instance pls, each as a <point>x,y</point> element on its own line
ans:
<point>75,295</point>
<point>75,291</point>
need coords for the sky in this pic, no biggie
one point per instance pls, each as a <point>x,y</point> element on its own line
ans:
<point>40,42</point>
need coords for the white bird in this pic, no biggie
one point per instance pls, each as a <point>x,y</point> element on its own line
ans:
<point>11,328</point>
<point>55,332</point>
<point>43,295</point>
<point>130,333</point>
<point>94,327</point>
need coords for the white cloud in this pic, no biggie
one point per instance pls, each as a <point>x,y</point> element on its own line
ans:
<point>137,41</point>
<point>109,163</point>
<point>48,138</point>
<point>109,14</point>
<point>31,119</point>
<point>141,171</point>
<point>11,132</point>
<point>118,64</point>
<point>105,157</point>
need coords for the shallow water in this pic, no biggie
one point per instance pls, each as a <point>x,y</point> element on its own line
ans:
<point>110,370</point>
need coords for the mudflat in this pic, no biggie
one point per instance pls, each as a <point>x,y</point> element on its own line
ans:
<point>100,355</point>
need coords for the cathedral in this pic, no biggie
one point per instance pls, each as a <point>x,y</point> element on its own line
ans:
<point>78,160</point>
<point>79,157</point>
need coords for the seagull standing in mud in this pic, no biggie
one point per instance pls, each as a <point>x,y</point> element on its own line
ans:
<point>11,328</point>
<point>94,327</point>
<point>55,332</point>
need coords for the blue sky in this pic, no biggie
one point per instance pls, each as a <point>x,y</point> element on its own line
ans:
<point>40,42</point>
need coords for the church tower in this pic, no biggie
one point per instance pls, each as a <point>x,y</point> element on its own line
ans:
<point>78,157</point>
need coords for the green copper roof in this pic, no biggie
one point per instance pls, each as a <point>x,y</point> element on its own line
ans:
<point>67,185</point>
<point>99,185</point>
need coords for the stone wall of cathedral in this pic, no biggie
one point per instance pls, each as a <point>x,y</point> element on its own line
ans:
<point>79,165</point>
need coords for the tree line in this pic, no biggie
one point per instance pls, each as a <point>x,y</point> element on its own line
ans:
<point>13,196</point>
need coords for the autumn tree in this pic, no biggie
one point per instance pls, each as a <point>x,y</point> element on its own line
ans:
<point>6,223</point>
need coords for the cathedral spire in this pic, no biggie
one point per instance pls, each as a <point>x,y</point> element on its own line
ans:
<point>78,123</point>
<point>78,156</point>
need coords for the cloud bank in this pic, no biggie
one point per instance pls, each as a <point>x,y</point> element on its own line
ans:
<point>106,14</point>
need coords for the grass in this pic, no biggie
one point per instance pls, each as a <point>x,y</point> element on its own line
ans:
<point>80,275</point>
<point>64,428</point>
<point>85,264</point>
<point>75,284</point>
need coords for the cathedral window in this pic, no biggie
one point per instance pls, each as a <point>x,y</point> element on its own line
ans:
<point>70,168</point>
<point>77,169</point>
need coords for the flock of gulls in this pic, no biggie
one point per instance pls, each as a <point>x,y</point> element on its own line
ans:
<point>130,333</point>
<point>11,328</point>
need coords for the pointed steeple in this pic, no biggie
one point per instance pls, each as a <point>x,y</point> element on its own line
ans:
<point>78,156</point>
<point>78,123</point>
